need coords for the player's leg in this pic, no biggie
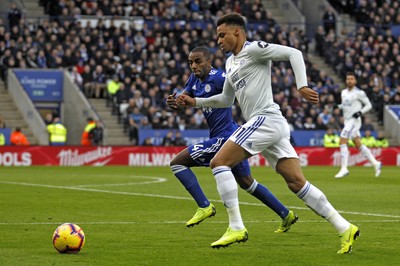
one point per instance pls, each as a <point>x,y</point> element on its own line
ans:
<point>227,157</point>
<point>367,153</point>
<point>243,177</point>
<point>180,166</point>
<point>345,135</point>
<point>284,159</point>
<point>316,200</point>
<point>246,141</point>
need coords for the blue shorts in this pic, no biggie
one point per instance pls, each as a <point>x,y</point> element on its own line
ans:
<point>203,152</point>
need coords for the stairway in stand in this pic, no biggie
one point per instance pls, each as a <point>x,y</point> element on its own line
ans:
<point>12,116</point>
<point>114,133</point>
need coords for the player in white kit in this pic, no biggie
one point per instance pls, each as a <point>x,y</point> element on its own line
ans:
<point>266,131</point>
<point>354,104</point>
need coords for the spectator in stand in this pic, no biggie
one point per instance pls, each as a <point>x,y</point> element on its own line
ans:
<point>135,119</point>
<point>382,141</point>
<point>368,139</point>
<point>319,124</point>
<point>179,140</point>
<point>87,134</point>
<point>367,124</point>
<point>48,118</point>
<point>57,132</point>
<point>76,77</point>
<point>2,139</point>
<point>309,124</point>
<point>98,85</point>
<point>331,139</point>
<point>147,142</point>
<point>168,139</point>
<point>114,91</point>
<point>17,138</point>
<point>102,43</point>
<point>325,115</point>
<point>329,20</point>
<point>14,15</point>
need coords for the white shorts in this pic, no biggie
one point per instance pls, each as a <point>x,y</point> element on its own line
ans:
<point>351,128</point>
<point>268,135</point>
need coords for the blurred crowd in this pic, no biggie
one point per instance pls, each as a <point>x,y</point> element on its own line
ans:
<point>135,68</point>
<point>372,52</point>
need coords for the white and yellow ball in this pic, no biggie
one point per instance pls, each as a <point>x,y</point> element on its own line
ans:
<point>68,238</point>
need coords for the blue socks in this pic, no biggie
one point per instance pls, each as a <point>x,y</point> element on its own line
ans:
<point>264,195</point>
<point>189,181</point>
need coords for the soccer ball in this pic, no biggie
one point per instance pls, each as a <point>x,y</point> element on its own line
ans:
<point>68,238</point>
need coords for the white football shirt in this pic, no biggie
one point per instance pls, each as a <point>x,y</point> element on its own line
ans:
<point>248,77</point>
<point>353,101</point>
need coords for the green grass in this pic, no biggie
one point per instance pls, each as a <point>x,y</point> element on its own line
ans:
<point>132,219</point>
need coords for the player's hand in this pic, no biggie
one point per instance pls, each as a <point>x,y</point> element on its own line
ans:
<point>309,94</point>
<point>171,101</point>
<point>357,115</point>
<point>185,101</point>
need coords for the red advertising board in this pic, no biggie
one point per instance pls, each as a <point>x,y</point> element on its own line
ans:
<point>161,156</point>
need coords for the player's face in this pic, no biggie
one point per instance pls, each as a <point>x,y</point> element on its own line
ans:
<point>199,64</point>
<point>227,35</point>
<point>350,81</point>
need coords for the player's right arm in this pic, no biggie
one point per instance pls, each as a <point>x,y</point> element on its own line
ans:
<point>223,100</point>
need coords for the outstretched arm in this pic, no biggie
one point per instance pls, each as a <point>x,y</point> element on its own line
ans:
<point>222,100</point>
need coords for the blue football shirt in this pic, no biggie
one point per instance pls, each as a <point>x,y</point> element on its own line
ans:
<point>219,120</point>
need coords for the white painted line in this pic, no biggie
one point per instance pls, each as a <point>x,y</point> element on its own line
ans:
<point>175,197</point>
<point>181,222</point>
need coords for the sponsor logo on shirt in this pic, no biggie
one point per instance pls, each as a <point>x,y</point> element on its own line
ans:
<point>240,85</point>
<point>262,44</point>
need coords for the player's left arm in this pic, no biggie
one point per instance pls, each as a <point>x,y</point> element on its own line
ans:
<point>263,51</point>
<point>172,101</point>
<point>365,102</point>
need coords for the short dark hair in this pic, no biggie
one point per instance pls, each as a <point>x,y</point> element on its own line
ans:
<point>204,50</point>
<point>232,19</point>
<point>351,74</point>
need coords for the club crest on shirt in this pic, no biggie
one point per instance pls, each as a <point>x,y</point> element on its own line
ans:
<point>207,88</point>
<point>262,44</point>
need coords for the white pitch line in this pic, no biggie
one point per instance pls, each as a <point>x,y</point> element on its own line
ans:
<point>175,197</point>
<point>156,180</point>
<point>181,222</point>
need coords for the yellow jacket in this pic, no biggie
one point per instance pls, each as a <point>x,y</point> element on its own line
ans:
<point>58,133</point>
<point>382,143</point>
<point>2,139</point>
<point>331,141</point>
<point>370,141</point>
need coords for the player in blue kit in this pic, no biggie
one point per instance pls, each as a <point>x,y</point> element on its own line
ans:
<point>206,82</point>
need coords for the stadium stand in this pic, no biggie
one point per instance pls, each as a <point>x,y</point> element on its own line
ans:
<point>146,43</point>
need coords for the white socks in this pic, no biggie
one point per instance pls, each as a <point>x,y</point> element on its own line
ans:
<point>317,201</point>
<point>344,155</point>
<point>367,153</point>
<point>228,191</point>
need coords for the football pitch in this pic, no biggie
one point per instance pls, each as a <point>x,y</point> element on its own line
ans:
<point>137,216</point>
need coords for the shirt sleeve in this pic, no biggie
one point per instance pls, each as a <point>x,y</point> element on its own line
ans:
<point>365,101</point>
<point>223,100</point>
<point>263,51</point>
